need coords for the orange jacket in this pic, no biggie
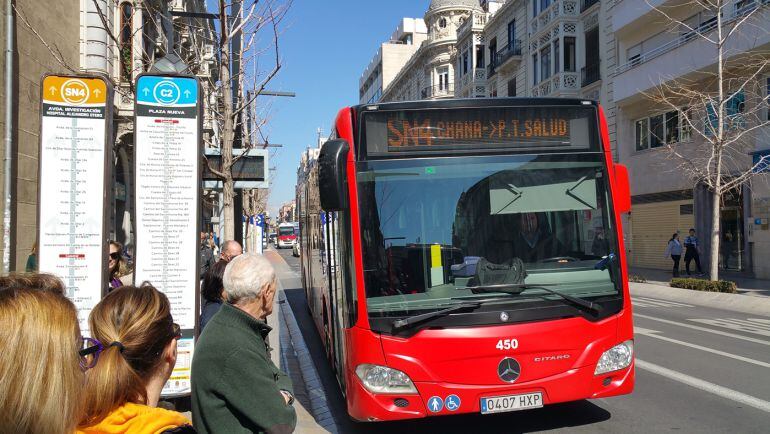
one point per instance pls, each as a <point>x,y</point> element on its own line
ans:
<point>137,419</point>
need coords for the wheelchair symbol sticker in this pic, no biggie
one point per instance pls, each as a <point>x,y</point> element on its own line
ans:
<point>452,402</point>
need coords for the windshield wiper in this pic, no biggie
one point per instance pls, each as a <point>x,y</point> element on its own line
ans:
<point>518,288</point>
<point>415,319</point>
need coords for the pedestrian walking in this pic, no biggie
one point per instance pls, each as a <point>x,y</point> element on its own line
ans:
<point>692,246</point>
<point>236,386</point>
<point>674,250</point>
<point>212,291</point>
<point>136,342</point>
<point>41,376</point>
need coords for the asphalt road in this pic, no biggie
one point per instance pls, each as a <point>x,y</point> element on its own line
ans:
<point>700,370</point>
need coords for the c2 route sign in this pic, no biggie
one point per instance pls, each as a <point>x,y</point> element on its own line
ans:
<point>167,154</point>
<point>75,153</point>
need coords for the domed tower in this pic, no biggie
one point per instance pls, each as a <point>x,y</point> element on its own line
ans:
<point>443,18</point>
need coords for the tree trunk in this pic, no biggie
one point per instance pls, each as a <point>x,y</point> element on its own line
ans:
<point>228,193</point>
<point>715,238</point>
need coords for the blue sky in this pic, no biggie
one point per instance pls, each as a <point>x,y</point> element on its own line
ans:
<point>325,46</point>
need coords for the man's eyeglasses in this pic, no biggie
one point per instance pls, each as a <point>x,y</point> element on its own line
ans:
<point>89,353</point>
<point>115,256</point>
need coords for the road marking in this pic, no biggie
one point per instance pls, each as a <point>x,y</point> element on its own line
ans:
<point>694,327</point>
<point>653,302</point>
<point>705,386</point>
<point>654,334</point>
<point>737,324</point>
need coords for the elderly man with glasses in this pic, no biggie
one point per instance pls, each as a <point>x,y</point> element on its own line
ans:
<point>236,388</point>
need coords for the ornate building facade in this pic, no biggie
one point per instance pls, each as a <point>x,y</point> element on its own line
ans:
<point>430,74</point>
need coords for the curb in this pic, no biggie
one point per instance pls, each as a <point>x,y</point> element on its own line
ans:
<point>736,302</point>
<point>293,340</point>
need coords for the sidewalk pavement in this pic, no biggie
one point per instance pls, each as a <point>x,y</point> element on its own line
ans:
<point>293,357</point>
<point>746,285</point>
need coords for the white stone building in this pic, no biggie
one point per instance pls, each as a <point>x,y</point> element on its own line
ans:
<point>430,74</point>
<point>390,58</point>
<point>653,52</point>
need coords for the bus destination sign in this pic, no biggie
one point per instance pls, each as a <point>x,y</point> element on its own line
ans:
<point>462,130</point>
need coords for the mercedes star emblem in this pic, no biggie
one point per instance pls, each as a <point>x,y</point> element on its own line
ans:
<point>503,316</point>
<point>508,370</point>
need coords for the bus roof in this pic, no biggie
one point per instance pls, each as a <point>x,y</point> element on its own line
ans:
<point>474,102</point>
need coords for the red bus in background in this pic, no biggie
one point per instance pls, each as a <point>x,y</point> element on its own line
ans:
<point>287,235</point>
<point>465,256</point>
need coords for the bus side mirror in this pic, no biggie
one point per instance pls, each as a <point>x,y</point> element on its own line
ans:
<point>623,193</point>
<point>331,174</point>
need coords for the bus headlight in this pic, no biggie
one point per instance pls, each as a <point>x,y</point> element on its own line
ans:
<point>616,358</point>
<point>381,379</point>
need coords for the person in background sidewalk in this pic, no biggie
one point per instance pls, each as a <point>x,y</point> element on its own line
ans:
<point>135,340</point>
<point>212,291</point>
<point>41,372</point>
<point>118,266</point>
<point>207,254</point>
<point>231,249</point>
<point>692,246</point>
<point>674,250</point>
<point>236,388</point>
<point>31,266</point>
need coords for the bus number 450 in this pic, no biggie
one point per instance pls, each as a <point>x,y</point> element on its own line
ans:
<point>507,344</point>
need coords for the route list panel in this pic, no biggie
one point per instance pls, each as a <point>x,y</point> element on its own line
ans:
<point>72,183</point>
<point>168,191</point>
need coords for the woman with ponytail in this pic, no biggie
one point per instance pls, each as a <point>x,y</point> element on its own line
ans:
<point>135,339</point>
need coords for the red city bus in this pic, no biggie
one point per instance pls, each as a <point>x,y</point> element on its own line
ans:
<point>465,256</point>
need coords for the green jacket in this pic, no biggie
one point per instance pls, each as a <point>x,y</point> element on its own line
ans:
<point>236,388</point>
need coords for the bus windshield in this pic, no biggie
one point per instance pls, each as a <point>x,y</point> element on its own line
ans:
<point>433,229</point>
<point>286,230</point>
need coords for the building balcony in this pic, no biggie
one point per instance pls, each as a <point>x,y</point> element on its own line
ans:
<point>438,91</point>
<point>557,9</point>
<point>690,52</point>
<point>561,84</point>
<point>473,83</point>
<point>509,57</point>
<point>590,74</point>
<point>474,24</point>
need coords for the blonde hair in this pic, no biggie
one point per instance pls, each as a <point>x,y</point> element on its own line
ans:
<point>40,376</point>
<point>140,320</point>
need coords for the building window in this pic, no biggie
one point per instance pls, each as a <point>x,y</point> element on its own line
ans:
<point>642,134</point>
<point>535,74</point>
<point>126,33</point>
<point>685,128</point>
<point>442,23</point>
<point>556,65</point>
<point>511,34</point>
<point>569,54</point>
<point>479,56</point>
<point>657,128</point>
<point>672,127</point>
<point>734,108</point>
<point>545,62</point>
<point>544,4</point>
<point>493,52</point>
<point>512,87</point>
<point>663,129</point>
<point>465,62</point>
<point>443,79</point>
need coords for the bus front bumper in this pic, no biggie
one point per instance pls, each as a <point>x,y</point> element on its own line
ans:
<point>573,385</point>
